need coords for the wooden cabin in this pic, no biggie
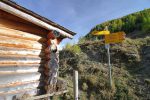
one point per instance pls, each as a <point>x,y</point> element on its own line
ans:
<point>28,52</point>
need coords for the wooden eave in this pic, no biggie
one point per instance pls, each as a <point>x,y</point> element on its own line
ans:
<point>19,11</point>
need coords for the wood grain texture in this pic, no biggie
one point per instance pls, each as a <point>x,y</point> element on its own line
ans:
<point>18,59</point>
<point>32,19</point>
<point>17,23</point>
<point>21,52</point>
<point>20,43</point>
<point>20,34</point>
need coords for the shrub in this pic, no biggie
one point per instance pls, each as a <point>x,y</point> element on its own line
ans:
<point>84,86</point>
<point>92,81</point>
<point>74,48</point>
<point>122,92</point>
<point>82,40</point>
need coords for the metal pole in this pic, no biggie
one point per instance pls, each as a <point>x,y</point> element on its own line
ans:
<point>75,78</point>
<point>109,65</point>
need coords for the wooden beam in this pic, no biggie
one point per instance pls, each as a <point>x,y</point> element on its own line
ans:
<point>47,95</point>
<point>32,19</point>
<point>31,28</point>
<point>21,70</point>
<point>17,77</point>
<point>18,83</point>
<point>22,91</point>
<point>21,65</point>
<point>20,43</point>
<point>20,34</point>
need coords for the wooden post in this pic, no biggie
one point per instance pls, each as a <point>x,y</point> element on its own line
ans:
<point>109,65</point>
<point>75,83</point>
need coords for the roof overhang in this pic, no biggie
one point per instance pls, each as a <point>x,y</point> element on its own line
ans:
<point>44,23</point>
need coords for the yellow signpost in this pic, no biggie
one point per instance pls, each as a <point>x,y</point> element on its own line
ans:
<point>114,37</point>
<point>110,38</point>
<point>100,32</point>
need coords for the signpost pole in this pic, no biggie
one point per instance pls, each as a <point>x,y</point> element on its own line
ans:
<point>75,76</point>
<point>109,65</point>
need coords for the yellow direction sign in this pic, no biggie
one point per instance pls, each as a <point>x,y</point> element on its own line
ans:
<point>115,37</point>
<point>100,32</point>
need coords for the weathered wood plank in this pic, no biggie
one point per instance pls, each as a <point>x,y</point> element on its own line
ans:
<point>14,78</point>
<point>20,83</point>
<point>20,43</point>
<point>9,95</point>
<point>32,19</point>
<point>20,51</point>
<point>47,95</point>
<point>17,59</point>
<point>20,34</point>
<point>21,62</point>
<point>20,69</point>
<point>20,87</point>
<point>21,65</point>
<point>29,51</point>
<point>17,23</point>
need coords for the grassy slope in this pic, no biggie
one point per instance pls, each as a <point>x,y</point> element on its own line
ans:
<point>130,61</point>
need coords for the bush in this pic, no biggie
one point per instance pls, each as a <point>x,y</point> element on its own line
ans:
<point>84,86</point>
<point>123,92</point>
<point>82,40</point>
<point>92,81</point>
<point>74,48</point>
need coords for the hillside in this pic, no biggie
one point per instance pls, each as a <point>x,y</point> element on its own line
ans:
<point>137,23</point>
<point>130,61</point>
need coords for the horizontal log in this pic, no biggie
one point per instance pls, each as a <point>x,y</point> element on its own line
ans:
<point>20,87</point>
<point>20,69</point>
<point>18,58</point>
<point>21,62</point>
<point>21,83</point>
<point>15,59</point>
<point>15,51</point>
<point>20,43</point>
<point>15,78</point>
<point>47,95</point>
<point>17,84</point>
<point>22,65</point>
<point>18,49</point>
<point>10,95</point>
<point>20,34</point>
<point>21,51</point>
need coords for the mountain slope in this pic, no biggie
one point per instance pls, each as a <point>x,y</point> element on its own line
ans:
<point>130,61</point>
<point>138,23</point>
<point>131,65</point>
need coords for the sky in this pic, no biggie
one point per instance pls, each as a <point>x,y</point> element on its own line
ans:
<point>80,16</point>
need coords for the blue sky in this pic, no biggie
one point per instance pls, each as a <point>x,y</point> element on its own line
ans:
<point>82,15</point>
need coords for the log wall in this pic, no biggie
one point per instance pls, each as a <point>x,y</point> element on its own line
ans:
<point>22,59</point>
